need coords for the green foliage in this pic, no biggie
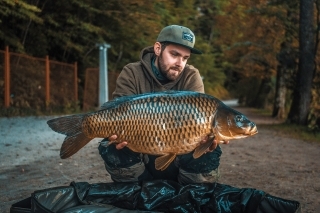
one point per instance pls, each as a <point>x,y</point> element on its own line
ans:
<point>212,73</point>
<point>130,26</point>
<point>14,17</point>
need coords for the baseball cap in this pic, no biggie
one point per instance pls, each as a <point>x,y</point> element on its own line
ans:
<point>179,35</point>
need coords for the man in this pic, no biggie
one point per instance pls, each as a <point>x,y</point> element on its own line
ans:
<point>162,66</point>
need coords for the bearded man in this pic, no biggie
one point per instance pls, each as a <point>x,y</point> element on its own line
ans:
<point>162,67</point>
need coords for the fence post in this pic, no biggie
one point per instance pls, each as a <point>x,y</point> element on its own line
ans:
<point>76,81</point>
<point>103,74</point>
<point>7,78</point>
<point>47,81</point>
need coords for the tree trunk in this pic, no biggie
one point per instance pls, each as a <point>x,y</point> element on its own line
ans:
<point>302,93</point>
<point>261,99</point>
<point>280,97</point>
<point>287,65</point>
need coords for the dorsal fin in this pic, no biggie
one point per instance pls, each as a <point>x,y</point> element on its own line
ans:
<point>123,99</point>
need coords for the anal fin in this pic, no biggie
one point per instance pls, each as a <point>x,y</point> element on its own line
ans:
<point>162,162</point>
<point>202,148</point>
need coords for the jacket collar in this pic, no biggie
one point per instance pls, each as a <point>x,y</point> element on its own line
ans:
<point>146,56</point>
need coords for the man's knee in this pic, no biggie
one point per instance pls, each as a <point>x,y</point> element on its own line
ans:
<point>115,158</point>
<point>123,165</point>
<point>185,177</point>
<point>133,173</point>
<point>204,164</point>
<point>200,170</point>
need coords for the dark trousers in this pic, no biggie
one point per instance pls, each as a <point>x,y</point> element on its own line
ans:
<point>127,166</point>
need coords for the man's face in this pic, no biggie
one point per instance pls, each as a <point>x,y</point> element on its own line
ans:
<point>172,60</point>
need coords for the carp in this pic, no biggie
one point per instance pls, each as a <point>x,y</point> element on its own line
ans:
<point>165,124</point>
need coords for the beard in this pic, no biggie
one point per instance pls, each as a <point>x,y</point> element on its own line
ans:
<point>167,71</point>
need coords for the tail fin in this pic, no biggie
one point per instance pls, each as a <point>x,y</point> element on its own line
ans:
<point>72,127</point>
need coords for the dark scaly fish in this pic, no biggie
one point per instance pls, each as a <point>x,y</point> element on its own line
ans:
<point>166,124</point>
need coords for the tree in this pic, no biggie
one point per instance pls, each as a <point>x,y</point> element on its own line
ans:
<point>285,69</point>
<point>287,56</point>
<point>15,16</point>
<point>302,93</point>
<point>250,34</point>
<point>206,32</point>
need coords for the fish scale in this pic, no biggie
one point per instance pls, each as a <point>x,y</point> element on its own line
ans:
<point>161,127</point>
<point>165,124</point>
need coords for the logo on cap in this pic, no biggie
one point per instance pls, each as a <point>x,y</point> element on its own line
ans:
<point>187,36</point>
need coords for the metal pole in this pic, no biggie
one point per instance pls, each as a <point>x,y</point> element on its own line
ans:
<point>103,74</point>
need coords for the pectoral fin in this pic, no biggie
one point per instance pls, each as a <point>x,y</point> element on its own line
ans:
<point>162,162</point>
<point>202,148</point>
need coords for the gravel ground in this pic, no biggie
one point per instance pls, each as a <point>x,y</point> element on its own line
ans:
<point>281,166</point>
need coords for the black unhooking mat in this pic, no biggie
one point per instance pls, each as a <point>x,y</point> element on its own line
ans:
<point>153,196</point>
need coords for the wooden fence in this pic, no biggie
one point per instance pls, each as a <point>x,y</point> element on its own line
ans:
<point>29,81</point>
<point>91,88</point>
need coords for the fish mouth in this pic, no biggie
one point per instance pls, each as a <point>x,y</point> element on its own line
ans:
<point>252,131</point>
<point>248,131</point>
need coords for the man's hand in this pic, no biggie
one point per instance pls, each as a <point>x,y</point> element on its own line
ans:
<point>119,145</point>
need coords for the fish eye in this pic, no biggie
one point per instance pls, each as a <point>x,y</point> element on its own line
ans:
<point>239,118</point>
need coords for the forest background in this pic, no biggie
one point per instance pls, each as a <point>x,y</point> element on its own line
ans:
<point>262,52</point>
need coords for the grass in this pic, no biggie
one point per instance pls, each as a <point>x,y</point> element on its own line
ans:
<point>291,130</point>
<point>68,108</point>
<point>295,131</point>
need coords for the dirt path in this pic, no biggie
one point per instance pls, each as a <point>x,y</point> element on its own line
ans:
<point>280,166</point>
